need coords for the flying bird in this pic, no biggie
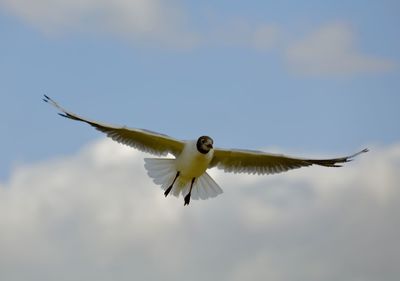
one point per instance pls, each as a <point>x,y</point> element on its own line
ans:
<point>186,174</point>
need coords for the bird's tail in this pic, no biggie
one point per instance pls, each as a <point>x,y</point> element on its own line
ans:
<point>163,173</point>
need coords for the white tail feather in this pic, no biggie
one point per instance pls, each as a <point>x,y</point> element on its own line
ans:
<point>163,172</point>
<point>205,187</point>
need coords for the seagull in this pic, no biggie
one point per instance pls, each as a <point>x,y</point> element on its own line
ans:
<point>186,174</point>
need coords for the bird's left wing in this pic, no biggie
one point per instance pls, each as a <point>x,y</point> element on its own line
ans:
<point>258,162</point>
<point>144,140</point>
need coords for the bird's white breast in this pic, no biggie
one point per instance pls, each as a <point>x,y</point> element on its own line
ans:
<point>191,163</point>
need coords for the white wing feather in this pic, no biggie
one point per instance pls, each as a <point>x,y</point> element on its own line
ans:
<point>144,140</point>
<point>258,162</point>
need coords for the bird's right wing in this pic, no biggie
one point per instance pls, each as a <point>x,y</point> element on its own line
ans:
<point>258,162</point>
<point>143,140</point>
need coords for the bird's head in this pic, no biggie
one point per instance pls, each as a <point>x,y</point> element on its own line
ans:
<point>204,144</point>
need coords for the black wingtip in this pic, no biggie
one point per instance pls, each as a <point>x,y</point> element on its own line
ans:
<point>46,98</point>
<point>358,153</point>
<point>63,115</point>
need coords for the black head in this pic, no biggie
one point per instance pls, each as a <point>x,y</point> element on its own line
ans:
<point>204,144</point>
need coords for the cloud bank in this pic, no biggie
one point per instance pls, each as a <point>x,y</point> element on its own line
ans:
<point>96,215</point>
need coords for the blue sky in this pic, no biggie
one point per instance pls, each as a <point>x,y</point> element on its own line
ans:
<point>222,86</point>
<point>298,77</point>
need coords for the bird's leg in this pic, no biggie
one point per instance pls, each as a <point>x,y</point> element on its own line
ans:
<point>187,197</point>
<point>172,184</point>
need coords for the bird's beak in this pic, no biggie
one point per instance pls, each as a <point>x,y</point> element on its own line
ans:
<point>210,145</point>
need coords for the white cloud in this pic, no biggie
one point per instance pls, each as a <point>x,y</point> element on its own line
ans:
<point>331,49</point>
<point>97,216</point>
<point>141,20</point>
<point>151,21</point>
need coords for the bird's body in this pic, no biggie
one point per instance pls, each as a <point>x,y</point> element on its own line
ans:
<point>186,174</point>
<point>187,171</point>
<point>191,163</point>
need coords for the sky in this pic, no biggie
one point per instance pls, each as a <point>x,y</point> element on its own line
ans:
<point>306,78</point>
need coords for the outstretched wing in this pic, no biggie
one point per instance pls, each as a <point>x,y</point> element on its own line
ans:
<point>258,162</point>
<point>140,139</point>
